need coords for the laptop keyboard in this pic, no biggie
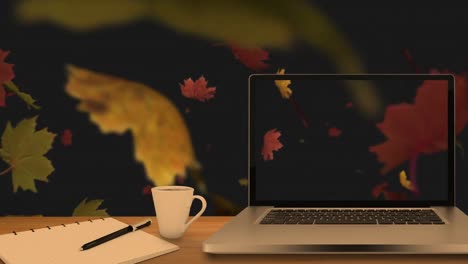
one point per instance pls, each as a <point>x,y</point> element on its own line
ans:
<point>351,216</point>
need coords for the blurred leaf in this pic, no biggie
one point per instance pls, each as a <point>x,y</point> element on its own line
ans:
<point>252,58</point>
<point>462,149</point>
<point>161,138</point>
<point>197,176</point>
<point>260,23</point>
<point>223,206</point>
<point>66,138</point>
<point>81,15</point>
<point>244,182</point>
<point>247,23</point>
<point>90,208</point>
<point>273,24</point>
<point>23,148</point>
<point>24,96</point>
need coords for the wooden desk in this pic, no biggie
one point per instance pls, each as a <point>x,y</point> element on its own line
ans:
<point>191,252</point>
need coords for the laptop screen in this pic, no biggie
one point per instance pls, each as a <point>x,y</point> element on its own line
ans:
<point>351,140</point>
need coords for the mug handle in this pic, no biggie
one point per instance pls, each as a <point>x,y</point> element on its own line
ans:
<point>203,201</point>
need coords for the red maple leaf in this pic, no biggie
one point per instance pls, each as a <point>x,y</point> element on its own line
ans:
<point>349,104</point>
<point>379,189</point>
<point>179,179</point>
<point>382,188</point>
<point>6,74</point>
<point>334,132</point>
<point>6,70</point>
<point>271,143</point>
<point>252,58</point>
<point>197,90</point>
<point>66,137</point>
<point>421,127</point>
<point>147,190</point>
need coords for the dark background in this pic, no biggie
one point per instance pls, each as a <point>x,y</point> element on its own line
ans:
<point>314,166</point>
<point>102,166</point>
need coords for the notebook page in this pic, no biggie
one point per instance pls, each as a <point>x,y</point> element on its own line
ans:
<point>62,245</point>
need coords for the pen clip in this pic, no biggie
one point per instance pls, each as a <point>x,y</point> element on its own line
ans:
<point>140,225</point>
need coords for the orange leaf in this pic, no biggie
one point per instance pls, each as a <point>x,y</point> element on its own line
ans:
<point>252,58</point>
<point>197,90</point>
<point>66,137</point>
<point>271,143</point>
<point>334,132</point>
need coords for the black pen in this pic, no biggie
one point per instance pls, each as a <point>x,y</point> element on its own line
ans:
<point>116,234</point>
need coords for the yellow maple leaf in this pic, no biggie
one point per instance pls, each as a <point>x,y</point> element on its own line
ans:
<point>244,182</point>
<point>161,138</point>
<point>405,182</point>
<point>283,85</point>
<point>90,208</point>
<point>23,148</point>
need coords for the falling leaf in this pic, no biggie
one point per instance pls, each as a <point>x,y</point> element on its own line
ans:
<point>379,189</point>
<point>244,182</point>
<point>197,176</point>
<point>197,90</point>
<point>161,138</point>
<point>66,137</point>
<point>187,110</point>
<point>90,208</point>
<point>271,143</point>
<point>382,189</point>
<point>23,148</point>
<point>6,69</point>
<point>349,105</point>
<point>405,182</point>
<point>24,96</point>
<point>81,15</point>
<point>6,75</point>
<point>412,129</point>
<point>223,206</point>
<point>252,58</point>
<point>2,97</point>
<point>334,132</point>
<point>283,85</point>
<point>260,23</point>
<point>147,189</point>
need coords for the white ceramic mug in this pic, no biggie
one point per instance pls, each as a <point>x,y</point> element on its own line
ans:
<point>172,205</point>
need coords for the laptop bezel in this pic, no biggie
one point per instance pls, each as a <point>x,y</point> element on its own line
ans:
<point>377,203</point>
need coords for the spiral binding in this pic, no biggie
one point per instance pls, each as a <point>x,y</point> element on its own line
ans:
<point>48,227</point>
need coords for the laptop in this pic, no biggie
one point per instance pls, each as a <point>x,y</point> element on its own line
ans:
<point>349,164</point>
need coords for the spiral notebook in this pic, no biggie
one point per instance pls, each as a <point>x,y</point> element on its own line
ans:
<point>61,244</point>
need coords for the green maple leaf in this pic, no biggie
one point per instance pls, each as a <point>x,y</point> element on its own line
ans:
<point>24,96</point>
<point>23,148</point>
<point>90,208</point>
